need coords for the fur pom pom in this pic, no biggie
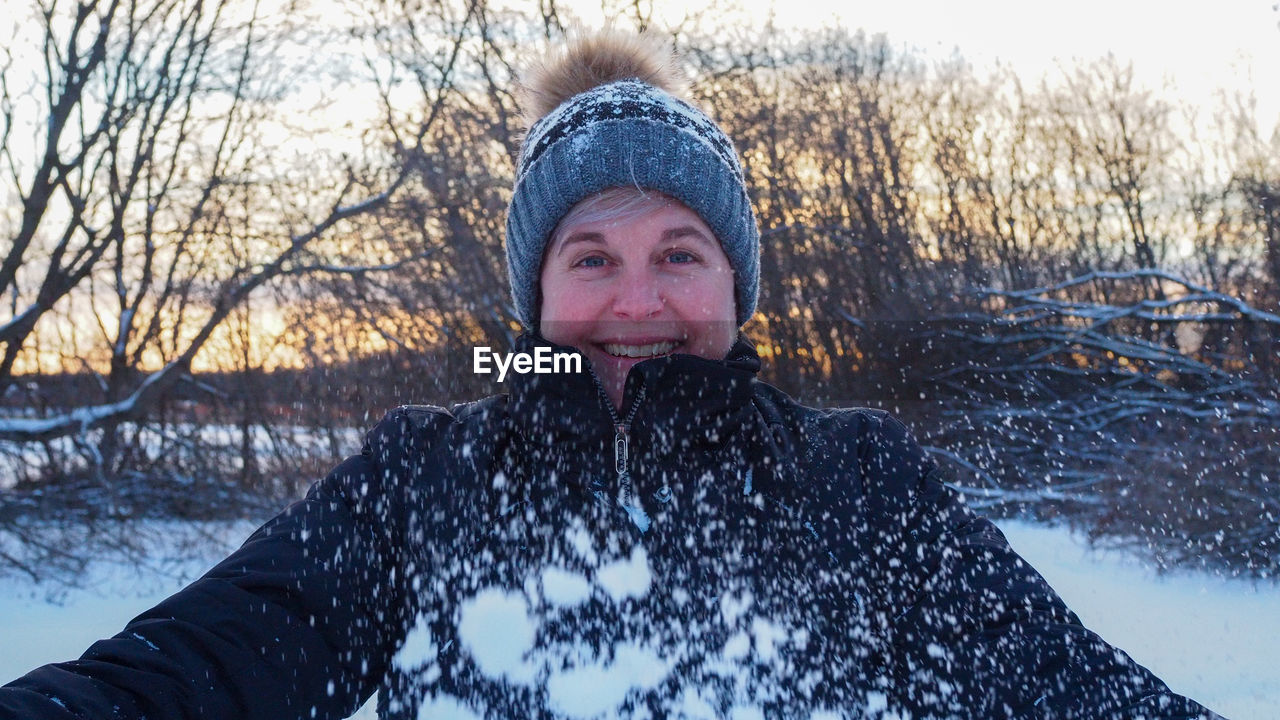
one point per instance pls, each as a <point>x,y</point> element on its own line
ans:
<point>591,59</point>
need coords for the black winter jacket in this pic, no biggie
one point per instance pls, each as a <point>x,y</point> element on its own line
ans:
<point>741,556</point>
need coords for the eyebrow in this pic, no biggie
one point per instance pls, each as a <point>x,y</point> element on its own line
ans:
<point>685,231</point>
<point>676,233</point>
<point>591,237</point>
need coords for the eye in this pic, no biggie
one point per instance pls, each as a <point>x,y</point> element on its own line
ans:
<point>590,261</point>
<point>680,257</point>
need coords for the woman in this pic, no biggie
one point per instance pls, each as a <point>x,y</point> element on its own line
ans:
<point>659,535</point>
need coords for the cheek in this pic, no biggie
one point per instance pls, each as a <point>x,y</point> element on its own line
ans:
<point>551,288</point>
<point>713,299</point>
<point>564,302</point>
<point>568,311</point>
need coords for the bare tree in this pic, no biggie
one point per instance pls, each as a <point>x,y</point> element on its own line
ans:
<point>161,196</point>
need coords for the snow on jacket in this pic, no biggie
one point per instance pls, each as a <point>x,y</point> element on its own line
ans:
<point>773,560</point>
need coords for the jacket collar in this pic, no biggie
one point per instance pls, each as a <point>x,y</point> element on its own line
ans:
<point>686,398</point>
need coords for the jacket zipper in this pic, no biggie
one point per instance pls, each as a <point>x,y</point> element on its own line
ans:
<point>622,455</point>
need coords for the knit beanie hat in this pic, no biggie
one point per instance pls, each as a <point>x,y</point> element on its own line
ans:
<point>607,116</point>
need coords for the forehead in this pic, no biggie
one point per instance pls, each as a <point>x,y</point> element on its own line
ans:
<point>618,206</point>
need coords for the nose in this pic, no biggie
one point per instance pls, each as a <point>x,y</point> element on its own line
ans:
<point>638,295</point>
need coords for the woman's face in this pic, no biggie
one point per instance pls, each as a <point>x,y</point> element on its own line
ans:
<point>647,285</point>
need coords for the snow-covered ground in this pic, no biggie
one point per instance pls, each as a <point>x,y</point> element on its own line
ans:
<point>1214,639</point>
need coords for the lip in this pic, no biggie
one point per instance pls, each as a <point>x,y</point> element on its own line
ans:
<point>647,342</point>
<point>639,340</point>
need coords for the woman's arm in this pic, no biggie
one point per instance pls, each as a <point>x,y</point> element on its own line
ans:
<point>975,631</point>
<point>299,622</point>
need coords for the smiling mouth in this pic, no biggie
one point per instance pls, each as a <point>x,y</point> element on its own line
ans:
<point>646,350</point>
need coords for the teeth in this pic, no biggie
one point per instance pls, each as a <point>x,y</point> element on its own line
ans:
<point>636,351</point>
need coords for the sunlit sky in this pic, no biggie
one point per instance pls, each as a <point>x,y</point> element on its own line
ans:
<point>1196,46</point>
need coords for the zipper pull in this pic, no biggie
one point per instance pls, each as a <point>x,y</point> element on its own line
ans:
<point>621,448</point>
<point>621,457</point>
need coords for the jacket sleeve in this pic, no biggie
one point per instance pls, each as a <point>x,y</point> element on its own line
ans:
<point>974,630</point>
<point>297,623</point>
